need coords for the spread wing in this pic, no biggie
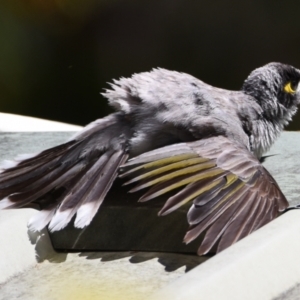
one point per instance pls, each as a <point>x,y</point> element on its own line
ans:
<point>232,193</point>
<point>72,178</point>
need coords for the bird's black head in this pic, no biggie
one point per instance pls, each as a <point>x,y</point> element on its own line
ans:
<point>275,88</point>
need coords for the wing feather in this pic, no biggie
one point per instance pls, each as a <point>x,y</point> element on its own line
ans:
<point>232,193</point>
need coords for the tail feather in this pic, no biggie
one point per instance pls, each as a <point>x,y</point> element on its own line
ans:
<point>81,184</point>
<point>41,219</point>
<point>94,199</point>
<point>88,193</point>
<point>85,183</point>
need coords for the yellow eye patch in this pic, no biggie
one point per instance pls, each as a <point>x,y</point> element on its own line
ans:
<point>289,89</point>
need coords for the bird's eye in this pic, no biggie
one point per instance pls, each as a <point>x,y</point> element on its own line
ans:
<point>290,87</point>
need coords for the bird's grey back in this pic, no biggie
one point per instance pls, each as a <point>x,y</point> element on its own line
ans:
<point>168,105</point>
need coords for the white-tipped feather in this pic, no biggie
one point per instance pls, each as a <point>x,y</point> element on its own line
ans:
<point>60,220</point>
<point>5,203</point>
<point>85,214</point>
<point>40,220</point>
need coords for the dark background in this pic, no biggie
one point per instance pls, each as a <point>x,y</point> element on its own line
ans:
<point>57,55</point>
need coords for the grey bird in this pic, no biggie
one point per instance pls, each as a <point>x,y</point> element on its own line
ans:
<point>171,133</point>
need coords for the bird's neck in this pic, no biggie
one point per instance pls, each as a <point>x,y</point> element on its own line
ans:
<point>270,118</point>
<point>265,132</point>
<point>267,128</point>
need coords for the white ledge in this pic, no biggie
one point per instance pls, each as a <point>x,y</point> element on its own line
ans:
<point>264,266</point>
<point>12,123</point>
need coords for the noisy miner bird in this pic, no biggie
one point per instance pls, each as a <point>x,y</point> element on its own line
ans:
<point>171,132</point>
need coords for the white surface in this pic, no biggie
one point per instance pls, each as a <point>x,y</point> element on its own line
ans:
<point>90,278</point>
<point>16,252</point>
<point>261,266</point>
<point>89,275</point>
<point>10,122</point>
